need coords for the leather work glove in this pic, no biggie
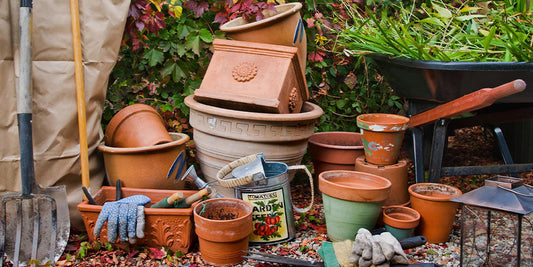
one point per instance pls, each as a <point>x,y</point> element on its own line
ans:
<point>126,215</point>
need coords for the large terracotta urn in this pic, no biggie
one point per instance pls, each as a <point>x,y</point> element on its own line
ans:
<point>223,135</point>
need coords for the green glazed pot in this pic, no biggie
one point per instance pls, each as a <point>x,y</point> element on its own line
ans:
<point>344,218</point>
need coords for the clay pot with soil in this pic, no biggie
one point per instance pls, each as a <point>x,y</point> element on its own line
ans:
<point>382,136</point>
<point>352,200</point>
<point>335,150</point>
<point>137,125</point>
<point>437,212</point>
<point>223,226</point>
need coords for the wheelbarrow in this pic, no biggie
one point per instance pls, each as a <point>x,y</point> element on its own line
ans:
<point>441,116</point>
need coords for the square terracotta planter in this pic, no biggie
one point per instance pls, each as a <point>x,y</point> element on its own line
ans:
<point>171,228</point>
<point>254,77</point>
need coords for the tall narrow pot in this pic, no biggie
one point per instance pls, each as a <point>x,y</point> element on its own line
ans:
<point>382,136</point>
<point>281,27</point>
<point>137,125</point>
<point>223,226</point>
<point>437,212</point>
<point>223,135</point>
<point>352,200</point>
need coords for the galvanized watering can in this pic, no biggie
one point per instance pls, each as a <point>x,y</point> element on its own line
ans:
<point>265,185</point>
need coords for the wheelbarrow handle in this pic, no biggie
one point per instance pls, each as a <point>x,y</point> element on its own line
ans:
<point>470,102</point>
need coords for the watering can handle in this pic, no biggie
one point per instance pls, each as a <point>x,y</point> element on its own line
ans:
<point>238,181</point>
<point>303,167</point>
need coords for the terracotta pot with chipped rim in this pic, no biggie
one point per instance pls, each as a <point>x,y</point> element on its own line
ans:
<point>223,226</point>
<point>352,200</point>
<point>400,221</point>
<point>281,27</point>
<point>396,173</point>
<point>335,150</point>
<point>437,212</point>
<point>145,167</point>
<point>224,135</point>
<point>137,125</point>
<point>382,136</point>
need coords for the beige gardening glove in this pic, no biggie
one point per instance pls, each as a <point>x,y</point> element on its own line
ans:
<point>399,256</point>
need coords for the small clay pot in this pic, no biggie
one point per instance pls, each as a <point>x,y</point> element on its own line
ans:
<point>352,200</point>
<point>396,173</point>
<point>382,136</point>
<point>437,212</point>
<point>335,150</point>
<point>137,125</point>
<point>223,226</point>
<point>145,167</point>
<point>400,221</point>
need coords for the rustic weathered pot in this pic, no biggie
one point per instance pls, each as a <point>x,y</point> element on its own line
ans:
<point>281,27</point>
<point>144,167</point>
<point>223,226</point>
<point>396,173</point>
<point>137,125</point>
<point>223,135</point>
<point>171,228</point>
<point>352,200</point>
<point>400,221</point>
<point>437,212</point>
<point>335,150</point>
<point>382,136</point>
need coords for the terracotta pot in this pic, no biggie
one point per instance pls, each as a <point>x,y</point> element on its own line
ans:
<point>396,173</point>
<point>144,167</point>
<point>335,150</point>
<point>437,212</point>
<point>400,221</point>
<point>352,200</point>
<point>171,228</point>
<point>223,226</point>
<point>284,27</point>
<point>223,135</point>
<point>382,136</point>
<point>137,125</point>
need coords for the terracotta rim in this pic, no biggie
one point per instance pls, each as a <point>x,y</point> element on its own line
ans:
<point>361,160</point>
<point>317,139</point>
<point>411,221</point>
<point>123,114</point>
<point>310,112</point>
<point>223,200</point>
<point>447,192</point>
<point>379,191</point>
<point>179,139</point>
<point>382,122</point>
<point>227,27</point>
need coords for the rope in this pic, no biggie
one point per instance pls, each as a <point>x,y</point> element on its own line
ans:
<point>237,181</point>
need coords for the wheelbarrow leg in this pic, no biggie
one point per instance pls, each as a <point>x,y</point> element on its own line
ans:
<point>437,149</point>
<point>418,153</point>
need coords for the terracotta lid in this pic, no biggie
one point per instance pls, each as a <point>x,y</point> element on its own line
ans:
<point>354,186</point>
<point>401,217</point>
<point>382,122</point>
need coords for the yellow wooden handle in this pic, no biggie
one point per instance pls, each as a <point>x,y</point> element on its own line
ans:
<point>175,197</point>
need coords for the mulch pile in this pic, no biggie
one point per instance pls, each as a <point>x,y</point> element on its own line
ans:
<point>472,146</point>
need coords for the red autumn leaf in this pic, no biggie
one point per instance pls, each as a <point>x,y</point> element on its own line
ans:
<point>319,228</point>
<point>197,7</point>
<point>157,253</point>
<point>221,17</point>
<point>316,56</point>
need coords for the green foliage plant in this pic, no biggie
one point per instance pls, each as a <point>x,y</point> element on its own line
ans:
<point>441,30</point>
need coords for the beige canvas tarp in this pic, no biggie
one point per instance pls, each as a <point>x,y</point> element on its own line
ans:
<point>55,123</point>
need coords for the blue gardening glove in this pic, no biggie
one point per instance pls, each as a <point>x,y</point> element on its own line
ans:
<point>126,215</point>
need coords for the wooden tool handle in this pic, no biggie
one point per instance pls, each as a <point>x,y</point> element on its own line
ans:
<point>175,197</point>
<point>473,101</point>
<point>196,196</point>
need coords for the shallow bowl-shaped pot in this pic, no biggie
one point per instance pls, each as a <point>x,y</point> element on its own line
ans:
<point>401,217</point>
<point>354,186</point>
<point>336,147</point>
<point>144,167</point>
